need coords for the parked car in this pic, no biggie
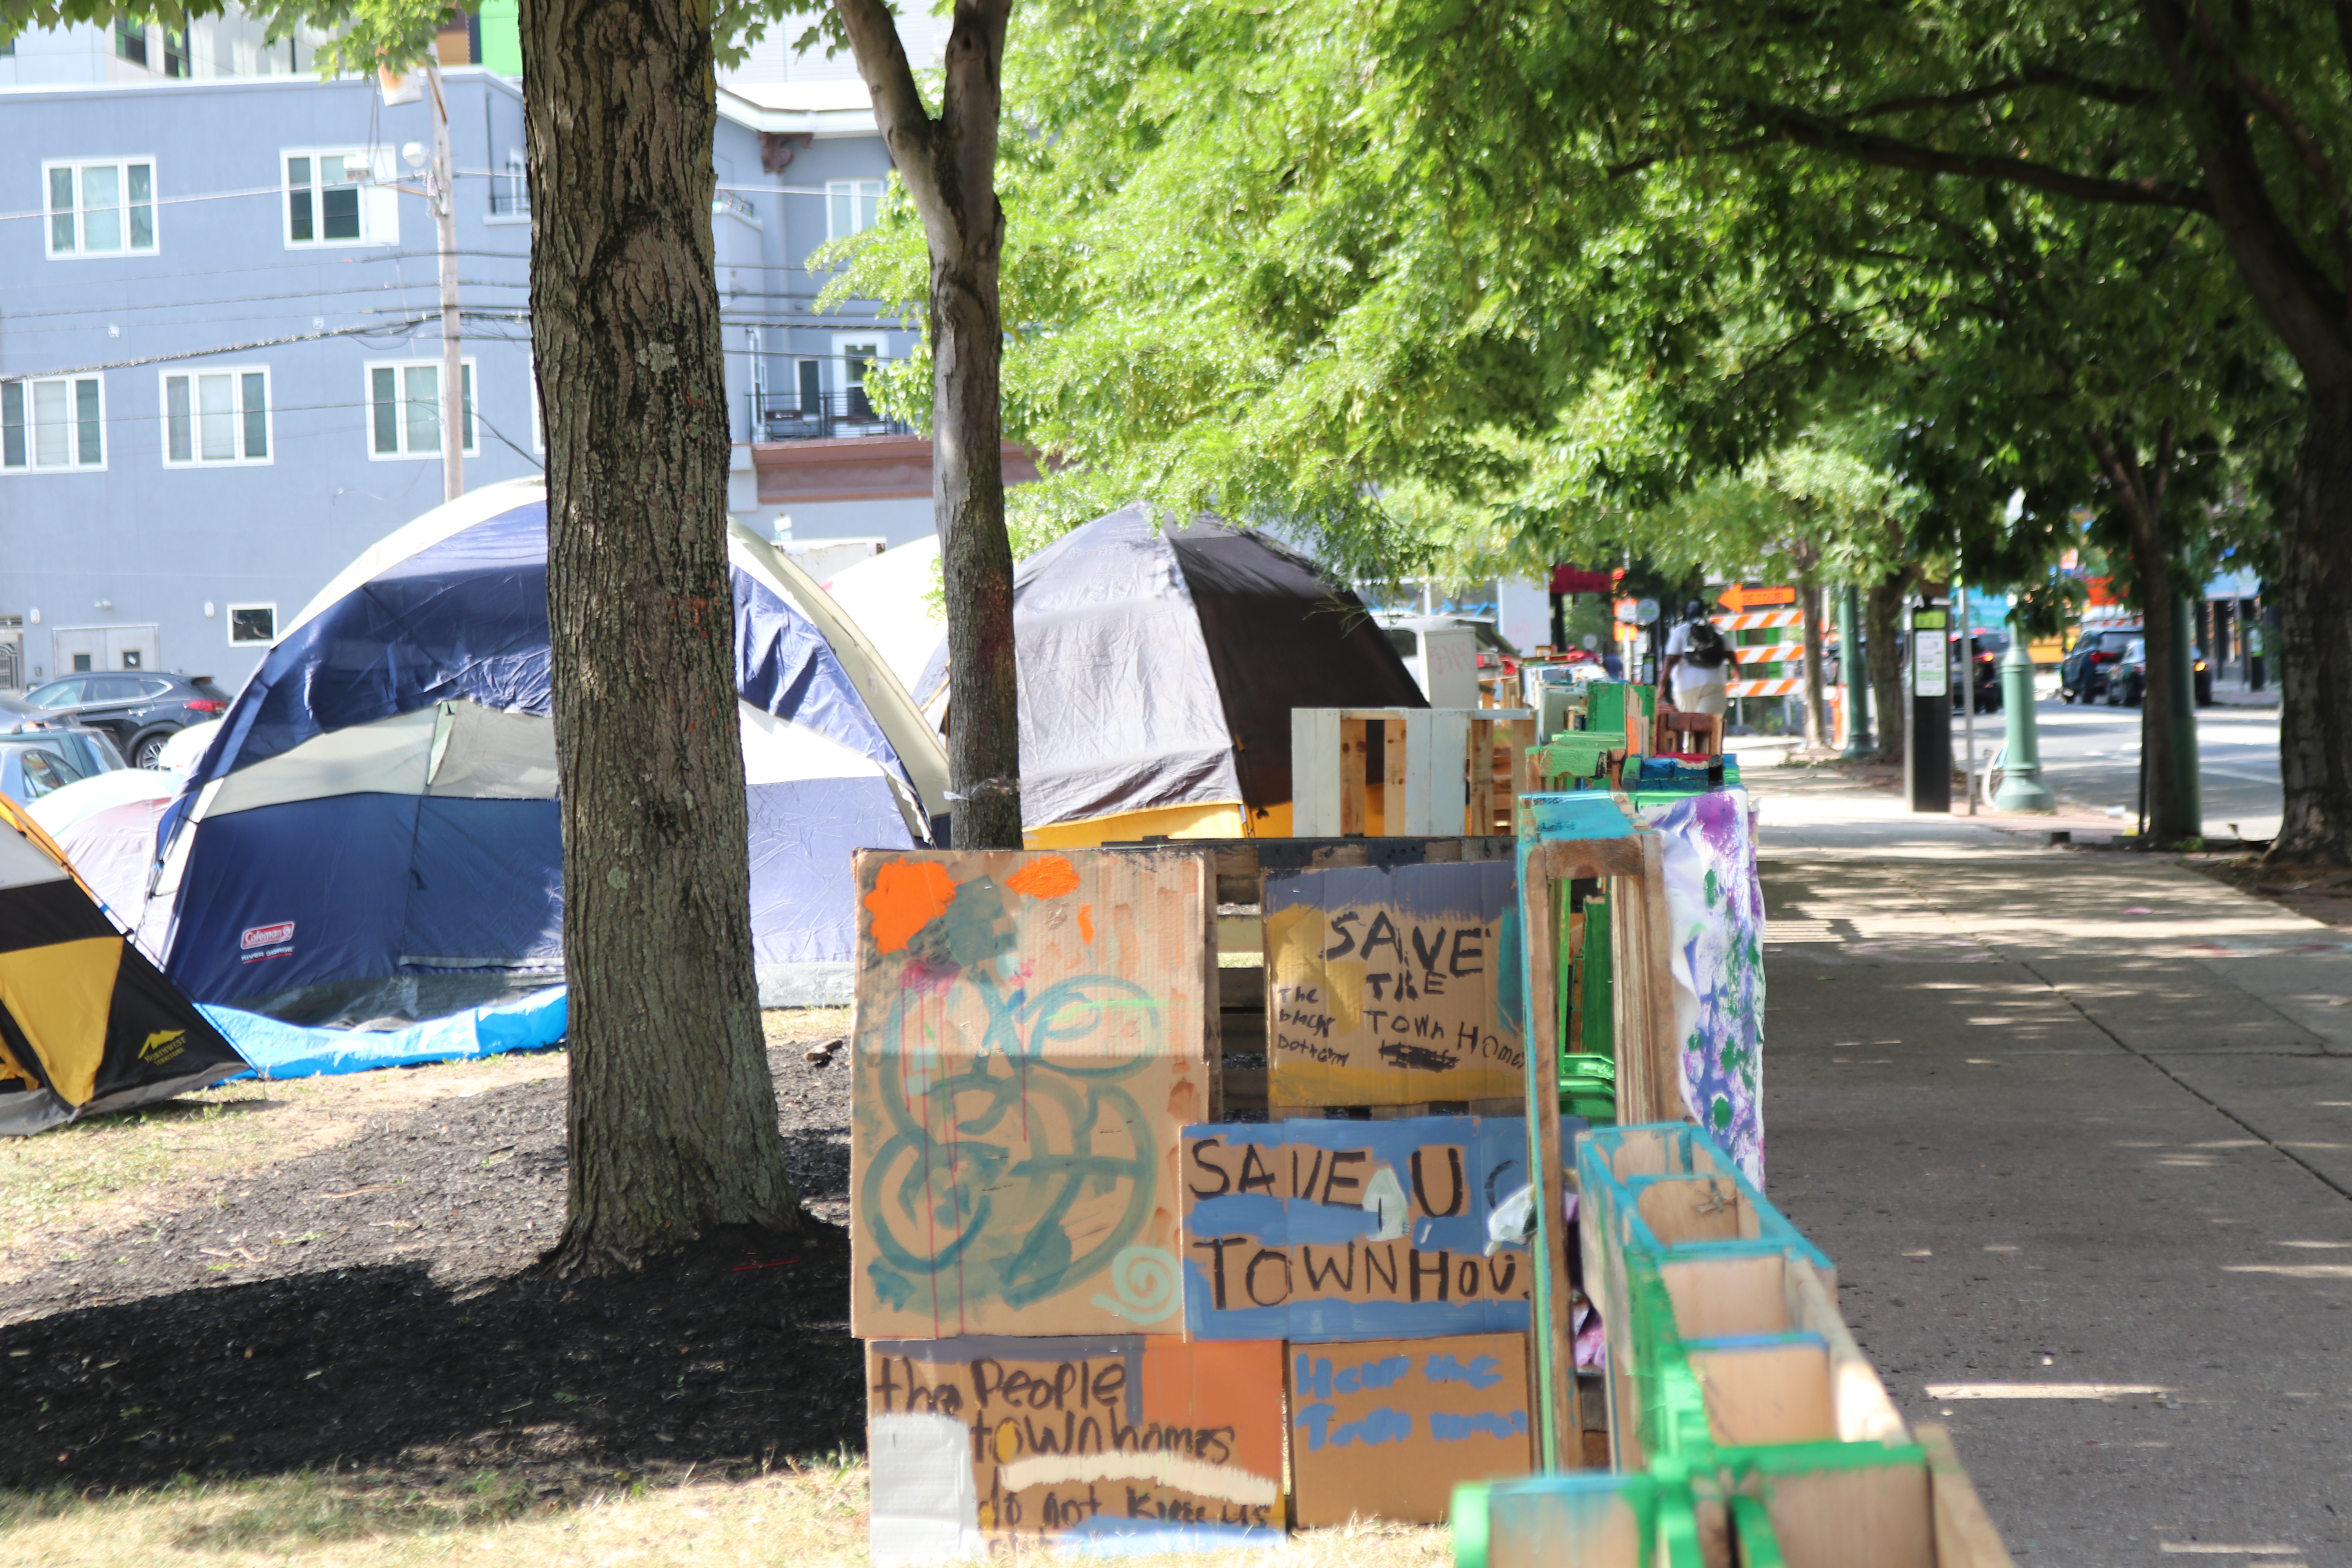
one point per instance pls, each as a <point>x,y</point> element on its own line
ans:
<point>92,750</point>
<point>138,710</point>
<point>1984,650</point>
<point>2083,674</point>
<point>2129,685</point>
<point>35,762</point>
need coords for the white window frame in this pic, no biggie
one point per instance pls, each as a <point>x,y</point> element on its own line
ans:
<point>77,168</point>
<point>400,367</point>
<point>238,412</point>
<point>27,403</point>
<point>873,343</point>
<point>228,615</point>
<point>379,199</point>
<point>512,184</point>
<point>853,192</point>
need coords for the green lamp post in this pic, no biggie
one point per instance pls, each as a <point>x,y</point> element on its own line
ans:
<point>1853,675</point>
<point>2021,788</point>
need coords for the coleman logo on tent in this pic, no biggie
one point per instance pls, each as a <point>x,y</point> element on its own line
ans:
<point>163,1045</point>
<point>267,942</point>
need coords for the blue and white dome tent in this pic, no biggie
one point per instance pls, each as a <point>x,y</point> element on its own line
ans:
<point>374,836</point>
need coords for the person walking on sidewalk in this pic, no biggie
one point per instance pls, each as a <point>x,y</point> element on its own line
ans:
<point>1698,663</point>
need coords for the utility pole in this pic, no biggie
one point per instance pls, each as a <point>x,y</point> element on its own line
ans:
<point>440,190</point>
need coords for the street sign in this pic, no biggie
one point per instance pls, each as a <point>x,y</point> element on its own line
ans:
<point>1646,611</point>
<point>1737,597</point>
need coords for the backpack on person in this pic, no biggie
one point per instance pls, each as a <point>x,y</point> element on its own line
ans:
<point>1706,648</point>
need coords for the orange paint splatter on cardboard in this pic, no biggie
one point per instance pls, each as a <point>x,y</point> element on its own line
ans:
<point>1047,877</point>
<point>908,896</point>
<point>1086,922</point>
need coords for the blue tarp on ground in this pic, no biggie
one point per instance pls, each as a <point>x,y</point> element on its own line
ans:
<point>288,1051</point>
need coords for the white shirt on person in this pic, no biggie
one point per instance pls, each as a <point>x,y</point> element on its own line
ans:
<point>1689,677</point>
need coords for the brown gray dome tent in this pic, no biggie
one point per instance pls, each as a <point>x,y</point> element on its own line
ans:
<point>1158,671</point>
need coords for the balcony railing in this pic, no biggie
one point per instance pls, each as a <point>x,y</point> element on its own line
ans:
<point>816,416</point>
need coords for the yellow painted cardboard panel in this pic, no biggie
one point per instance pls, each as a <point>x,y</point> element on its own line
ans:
<point>1030,1034</point>
<point>1117,1436</point>
<point>1392,986</point>
<point>1386,1428</point>
<point>61,996</point>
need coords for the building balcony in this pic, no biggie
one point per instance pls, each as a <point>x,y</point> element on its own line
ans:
<point>819,416</point>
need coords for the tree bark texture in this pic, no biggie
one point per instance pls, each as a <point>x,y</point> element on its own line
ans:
<point>672,1111</point>
<point>2315,666</point>
<point>1817,727</point>
<point>1883,610</point>
<point>2305,302</point>
<point>948,165</point>
<point>2139,496</point>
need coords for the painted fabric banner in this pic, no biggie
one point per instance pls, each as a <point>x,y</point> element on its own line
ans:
<point>1715,905</point>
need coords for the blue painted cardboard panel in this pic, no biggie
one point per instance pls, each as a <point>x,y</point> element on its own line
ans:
<point>1317,1231</point>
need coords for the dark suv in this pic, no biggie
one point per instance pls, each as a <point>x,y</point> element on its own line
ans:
<point>2082,675</point>
<point>140,710</point>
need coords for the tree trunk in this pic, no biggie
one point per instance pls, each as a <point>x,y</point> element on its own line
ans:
<point>949,167</point>
<point>2139,496</point>
<point>1883,609</point>
<point>2304,301</point>
<point>2314,657</point>
<point>975,553</point>
<point>672,1111</point>
<point>1817,730</point>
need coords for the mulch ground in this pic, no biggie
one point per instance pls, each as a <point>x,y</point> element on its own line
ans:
<point>377,1308</point>
<point>2323,893</point>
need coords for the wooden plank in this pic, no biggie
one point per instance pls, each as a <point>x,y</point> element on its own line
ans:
<point>1242,989</point>
<point>1565,859</point>
<point>1716,1298</point>
<point>1482,775</point>
<point>1393,778</point>
<point>1519,738</point>
<point>1352,762</point>
<point>1629,956</point>
<point>1240,934</point>
<point>1212,987</point>
<point>1864,1413</point>
<point>1448,750</point>
<point>1767,1393</point>
<point>1556,1357</point>
<point>1314,771</point>
<point>1965,1535</point>
<point>1660,1045</point>
<point>1873,1516</point>
<point>1244,1089</point>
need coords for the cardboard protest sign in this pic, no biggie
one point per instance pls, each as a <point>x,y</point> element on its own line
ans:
<point>1030,1034</point>
<point>1163,1443</point>
<point>1385,1429</point>
<point>1313,1231</point>
<point>1393,984</point>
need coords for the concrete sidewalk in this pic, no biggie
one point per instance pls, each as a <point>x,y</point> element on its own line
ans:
<point>2076,1127</point>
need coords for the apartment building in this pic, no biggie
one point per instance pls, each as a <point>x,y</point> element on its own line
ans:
<point>220,343</point>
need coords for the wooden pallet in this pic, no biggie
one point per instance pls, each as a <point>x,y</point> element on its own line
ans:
<point>1421,792</point>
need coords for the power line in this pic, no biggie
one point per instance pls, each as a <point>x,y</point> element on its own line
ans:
<point>279,190</point>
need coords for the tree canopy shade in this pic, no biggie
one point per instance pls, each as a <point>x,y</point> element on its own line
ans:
<point>1396,278</point>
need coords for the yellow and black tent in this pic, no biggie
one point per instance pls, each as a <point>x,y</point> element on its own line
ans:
<point>86,1024</point>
